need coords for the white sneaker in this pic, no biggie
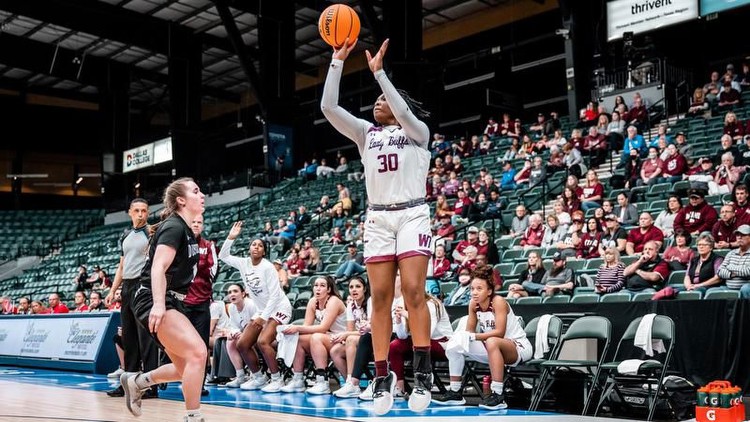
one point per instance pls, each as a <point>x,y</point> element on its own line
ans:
<point>132,392</point>
<point>421,395</point>
<point>320,387</point>
<point>294,386</point>
<point>398,394</point>
<point>348,391</point>
<point>237,382</point>
<point>274,386</point>
<point>367,394</point>
<point>116,374</point>
<point>255,382</point>
<point>382,393</point>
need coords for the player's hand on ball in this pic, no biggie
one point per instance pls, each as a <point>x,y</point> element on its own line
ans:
<point>342,52</point>
<point>376,62</point>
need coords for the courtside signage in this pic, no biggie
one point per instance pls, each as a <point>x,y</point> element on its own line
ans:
<point>52,338</point>
<point>138,158</point>
<point>640,16</point>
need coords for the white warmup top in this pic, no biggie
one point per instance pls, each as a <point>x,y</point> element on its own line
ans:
<point>395,158</point>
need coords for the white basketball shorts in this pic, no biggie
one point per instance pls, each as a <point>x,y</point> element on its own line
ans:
<point>395,235</point>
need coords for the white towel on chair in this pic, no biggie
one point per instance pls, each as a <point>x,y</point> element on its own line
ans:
<point>643,338</point>
<point>629,366</point>
<point>459,342</point>
<point>541,343</point>
<point>287,345</point>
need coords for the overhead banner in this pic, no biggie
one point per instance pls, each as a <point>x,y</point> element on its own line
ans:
<point>138,158</point>
<point>163,150</point>
<point>280,141</point>
<point>52,338</point>
<point>714,6</point>
<point>638,16</point>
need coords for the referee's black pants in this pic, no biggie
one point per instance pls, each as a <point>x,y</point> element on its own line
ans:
<point>138,345</point>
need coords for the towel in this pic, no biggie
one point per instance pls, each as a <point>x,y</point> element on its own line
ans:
<point>287,345</point>
<point>643,338</point>
<point>629,366</point>
<point>541,345</point>
<point>459,343</point>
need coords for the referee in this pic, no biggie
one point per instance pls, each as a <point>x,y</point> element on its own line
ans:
<point>137,343</point>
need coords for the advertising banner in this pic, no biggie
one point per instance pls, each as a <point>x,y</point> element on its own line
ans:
<point>714,6</point>
<point>640,16</point>
<point>52,338</point>
<point>138,158</point>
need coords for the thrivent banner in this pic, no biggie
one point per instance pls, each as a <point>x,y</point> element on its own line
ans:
<point>640,16</point>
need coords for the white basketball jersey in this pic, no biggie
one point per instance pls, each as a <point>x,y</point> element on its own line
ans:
<point>486,322</point>
<point>339,324</point>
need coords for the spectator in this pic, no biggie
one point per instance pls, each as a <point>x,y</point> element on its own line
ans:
<point>573,160</point>
<point>441,264</point>
<point>350,232</point>
<point>463,148</point>
<point>37,308</point>
<point>727,145</point>
<point>283,274</point>
<point>458,167</point>
<point>702,271</point>
<point>55,306</point>
<point>726,176</point>
<point>495,205</point>
<point>506,125</point>
<point>553,232</point>
<point>570,200</point>
<point>352,264</point>
<point>728,96</point>
<point>323,171</point>
<point>741,203</point>
<point>311,170</point>
<point>678,256</point>
<point>478,208</point>
<point>303,218</point>
<point>451,186</point>
<point>116,303</point>
<point>517,131</point>
<point>461,294</point>
<point>562,215</point>
<point>540,127</point>
<point>674,165</point>
<point>6,306</point>
<point>486,247</point>
<point>337,238</point>
<point>470,258</point>
<point>522,177</point>
<point>733,127</point>
<point>615,131</point>
<point>79,300</point>
<point>294,264</point>
<point>534,233</point>
<point>569,245</point>
<point>485,146</point>
<point>665,219</point>
<point>626,212</point>
<point>608,208</point>
<point>644,233</point>
<point>440,147</point>
<point>445,231</point>
<point>520,222</point>
<point>283,234</point>
<point>559,279</point>
<point>701,172</point>
<point>744,77</point>
<point>314,263</point>
<point>434,187</point>
<point>633,141</point>
<point>508,182</point>
<point>698,216</point>
<point>492,128</point>
<point>651,168</point>
<point>593,192</point>
<point>638,114</point>
<point>595,145</point>
<point>96,304</point>
<point>744,147</point>
<point>325,204</point>
<point>735,269</point>
<point>647,273</point>
<point>699,104</point>
<point>81,279</point>
<point>538,172</point>
<point>530,277</point>
<point>558,141</point>
<point>344,198</point>
<point>684,148</point>
<point>723,231</point>
<point>609,276</point>
<point>24,306</point>
<point>472,234</point>
<point>589,246</point>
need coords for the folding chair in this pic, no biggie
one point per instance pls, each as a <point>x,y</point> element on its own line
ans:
<point>531,369</point>
<point>589,327</point>
<point>650,373</point>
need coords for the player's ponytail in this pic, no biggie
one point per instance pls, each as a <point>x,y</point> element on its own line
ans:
<point>415,106</point>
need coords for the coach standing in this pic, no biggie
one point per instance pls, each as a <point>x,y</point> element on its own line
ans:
<point>200,293</point>
<point>137,343</point>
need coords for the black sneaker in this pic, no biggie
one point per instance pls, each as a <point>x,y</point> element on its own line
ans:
<point>382,393</point>
<point>204,393</point>
<point>422,393</point>
<point>494,402</point>
<point>117,392</point>
<point>450,398</point>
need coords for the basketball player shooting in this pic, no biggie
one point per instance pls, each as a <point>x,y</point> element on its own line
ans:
<point>397,231</point>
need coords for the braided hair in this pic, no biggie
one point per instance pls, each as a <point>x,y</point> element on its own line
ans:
<point>415,106</point>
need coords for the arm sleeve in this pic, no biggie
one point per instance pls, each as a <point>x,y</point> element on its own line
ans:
<point>343,121</point>
<point>416,129</point>
<point>225,255</point>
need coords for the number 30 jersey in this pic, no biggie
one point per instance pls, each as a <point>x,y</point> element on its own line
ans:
<point>395,158</point>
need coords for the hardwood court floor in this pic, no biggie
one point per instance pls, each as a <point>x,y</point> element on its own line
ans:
<point>43,395</point>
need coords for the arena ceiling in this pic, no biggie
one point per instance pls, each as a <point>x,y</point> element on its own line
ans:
<point>47,45</point>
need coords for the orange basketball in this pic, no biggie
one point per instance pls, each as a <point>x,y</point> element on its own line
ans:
<point>337,23</point>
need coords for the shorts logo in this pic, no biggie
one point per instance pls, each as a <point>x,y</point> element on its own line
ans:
<point>424,240</point>
<point>280,315</point>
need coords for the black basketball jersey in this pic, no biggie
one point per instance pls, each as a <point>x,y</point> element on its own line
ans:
<point>175,233</point>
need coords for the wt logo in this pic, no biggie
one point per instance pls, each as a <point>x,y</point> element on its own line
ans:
<point>424,240</point>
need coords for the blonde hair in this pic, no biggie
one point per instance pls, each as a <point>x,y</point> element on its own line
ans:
<point>175,190</point>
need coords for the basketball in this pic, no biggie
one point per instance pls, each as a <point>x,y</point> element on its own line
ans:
<point>337,23</point>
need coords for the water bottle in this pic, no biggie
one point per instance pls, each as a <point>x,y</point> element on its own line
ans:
<point>486,381</point>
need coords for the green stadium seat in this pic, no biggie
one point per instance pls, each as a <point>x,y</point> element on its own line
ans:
<point>722,294</point>
<point>585,298</point>
<point>557,299</point>
<point>615,297</point>
<point>689,295</point>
